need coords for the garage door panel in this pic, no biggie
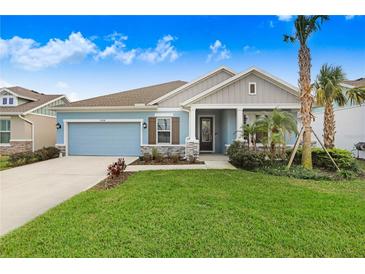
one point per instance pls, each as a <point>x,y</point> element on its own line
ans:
<point>109,139</point>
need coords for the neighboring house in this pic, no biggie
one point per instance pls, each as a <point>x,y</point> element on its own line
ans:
<point>350,125</point>
<point>26,121</point>
<point>204,115</point>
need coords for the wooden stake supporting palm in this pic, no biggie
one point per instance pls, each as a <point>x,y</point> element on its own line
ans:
<point>296,146</point>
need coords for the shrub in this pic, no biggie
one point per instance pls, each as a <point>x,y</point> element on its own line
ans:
<point>343,159</point>
<point>175,158</point>
<point>241,157</point>
<point>155,153</point>
<point>297,172</point>
<point>116,169</point>
<point>28,157</point>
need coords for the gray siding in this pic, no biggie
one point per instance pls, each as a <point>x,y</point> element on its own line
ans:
<point>46,109</point>
<point>237,93</point>
<point>183,95</point>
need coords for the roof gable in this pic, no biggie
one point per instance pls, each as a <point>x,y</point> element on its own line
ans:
<point>252,71</point>
<point>193,83</point>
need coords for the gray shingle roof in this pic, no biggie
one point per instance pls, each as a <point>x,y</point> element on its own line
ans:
<point>356,83</point>
<point>39,98</point>
<point>130,97</point>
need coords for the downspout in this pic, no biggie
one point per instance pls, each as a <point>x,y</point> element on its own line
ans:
<point>31,123</point>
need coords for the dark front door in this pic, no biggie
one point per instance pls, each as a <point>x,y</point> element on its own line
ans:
<point>206,133</point>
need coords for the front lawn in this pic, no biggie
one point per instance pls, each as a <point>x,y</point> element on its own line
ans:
<point>201,213</point>
<point>4,164</point>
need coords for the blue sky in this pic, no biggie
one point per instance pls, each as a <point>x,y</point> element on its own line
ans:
<point>86,56</point>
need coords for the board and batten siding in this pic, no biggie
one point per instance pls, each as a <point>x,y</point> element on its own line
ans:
<point>237,93</point>
<point>181,96</point>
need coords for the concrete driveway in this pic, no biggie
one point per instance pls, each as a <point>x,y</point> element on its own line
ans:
<point>28,191</point>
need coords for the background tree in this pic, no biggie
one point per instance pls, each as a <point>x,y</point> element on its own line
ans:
<point>329,90</point>
<point>305,26</point>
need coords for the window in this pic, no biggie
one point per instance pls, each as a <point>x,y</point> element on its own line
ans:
<point>252,88</point>
<point>163,130</point>
<point>11,101</point>
<point>4,131</point>
<point>5,100</point>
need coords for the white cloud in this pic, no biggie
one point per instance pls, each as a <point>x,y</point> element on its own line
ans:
<point>118,49</point>
<point>4,83</point>
<point>218,52</point>
<point>164,50</point>
<point>72,96</point>
<point>285,18</point>
<point>62,85</point>
<point>30,55</point>
<point>349,17</point>
<point>271,24</point>
<point>251,49</point>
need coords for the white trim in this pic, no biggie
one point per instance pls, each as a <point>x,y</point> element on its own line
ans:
<point>209,116</point>
<point>239,124</point>
<point>167,145</point>
<point>192,123</point>
<point>289,88</point>
<point>246,106</point>
<point>5,117</point>
<point>17,95</point>
<point>20,140</point>
<point>191,83</point>
<point>164,114</point>
<point>45,115</point>
<point>171,109</point>
<point>346,85</point>
<point>45,104</point>
<point>67,121</point>
<point>10,113</point>
<point>104,109</point>
<point>249,88</point>
<point>157,130</point>
<point>33,134</point>
<point>5,145</point>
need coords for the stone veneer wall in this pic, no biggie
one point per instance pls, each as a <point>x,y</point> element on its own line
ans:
<point>15,147</point>
<point>192,149</point>
<point>165,150</point>
<point>62,149</point>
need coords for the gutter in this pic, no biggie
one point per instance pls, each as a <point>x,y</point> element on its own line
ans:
<point>31,123</point>
<point>106,108</point>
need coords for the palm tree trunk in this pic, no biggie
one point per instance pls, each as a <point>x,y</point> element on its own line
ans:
<point>306,101</point>
<point>329,126</point>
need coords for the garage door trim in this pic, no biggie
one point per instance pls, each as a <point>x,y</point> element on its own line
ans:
<point>67,121</point>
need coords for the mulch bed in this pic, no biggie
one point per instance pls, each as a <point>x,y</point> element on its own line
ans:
<point>111,183</point>
<point>165,161</point>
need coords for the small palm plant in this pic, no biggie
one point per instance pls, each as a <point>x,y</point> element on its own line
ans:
<point>277,125</point>
<point>329,90</point>
<point>249,132</point>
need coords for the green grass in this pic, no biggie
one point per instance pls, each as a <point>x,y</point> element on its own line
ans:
<point>206,213</point>
<point>4,164</point>
<point>361,164</point>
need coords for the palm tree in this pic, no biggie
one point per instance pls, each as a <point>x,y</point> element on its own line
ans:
<point>276,125</point>
<point>305,26</point>
<point>249,133</point>
<point>329,90</point>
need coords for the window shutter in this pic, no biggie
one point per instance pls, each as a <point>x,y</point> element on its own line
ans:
<point>152,130</point>
<point>175,140</point>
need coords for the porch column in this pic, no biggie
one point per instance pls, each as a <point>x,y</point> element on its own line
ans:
<point>192,121</point>
<point>239,123</point>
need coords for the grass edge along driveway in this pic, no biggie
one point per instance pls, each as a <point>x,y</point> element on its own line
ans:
<point>201,213</point>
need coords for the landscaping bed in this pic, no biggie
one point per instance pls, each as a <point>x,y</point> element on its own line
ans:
<point>166,161</point>
<point>109,183</point>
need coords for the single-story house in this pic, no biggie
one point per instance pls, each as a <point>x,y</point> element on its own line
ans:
<point>26,121</point>
<point>204,115</point>
<point>350,125</point>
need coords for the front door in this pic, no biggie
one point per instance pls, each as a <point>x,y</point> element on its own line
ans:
<point>206,133</point>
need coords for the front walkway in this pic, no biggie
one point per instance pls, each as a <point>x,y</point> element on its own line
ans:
<point>211,161</point>
<point>28,191</point>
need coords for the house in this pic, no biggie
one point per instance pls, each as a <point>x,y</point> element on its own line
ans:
<point>26,121</point>
<point>350,125</point>
<point>204,115</point>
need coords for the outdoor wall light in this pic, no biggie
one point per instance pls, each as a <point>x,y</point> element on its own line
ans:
<point>144,125</point>
<point>58,125</point>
